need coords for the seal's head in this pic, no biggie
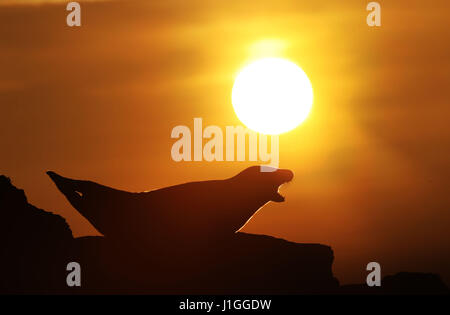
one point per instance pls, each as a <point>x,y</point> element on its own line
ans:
<point>266,180</point>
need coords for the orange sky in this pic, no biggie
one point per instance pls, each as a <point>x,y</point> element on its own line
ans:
<point>371,162</point>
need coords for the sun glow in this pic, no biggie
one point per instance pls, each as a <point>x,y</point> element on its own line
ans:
<point>272,95</point>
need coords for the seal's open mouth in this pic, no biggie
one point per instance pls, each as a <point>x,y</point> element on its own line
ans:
<point>285,176</point>
<point>277,197</point>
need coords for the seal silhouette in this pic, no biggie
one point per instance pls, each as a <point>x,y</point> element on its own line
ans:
<point>192,212</point>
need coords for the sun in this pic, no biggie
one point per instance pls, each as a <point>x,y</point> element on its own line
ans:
<point>272,96</point>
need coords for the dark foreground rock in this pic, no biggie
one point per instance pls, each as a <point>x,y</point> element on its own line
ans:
<point>33,243</point>
<point>249,264</point>
<point>37,246</point>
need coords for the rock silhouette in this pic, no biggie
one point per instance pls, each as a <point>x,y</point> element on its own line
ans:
<point>149,247</point>
<point>33,243</point>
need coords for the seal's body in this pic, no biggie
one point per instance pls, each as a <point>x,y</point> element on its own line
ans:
<point>194,212</point>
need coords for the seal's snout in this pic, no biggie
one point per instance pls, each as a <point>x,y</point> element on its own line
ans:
<point>286,175</point>
<point>267,179</point>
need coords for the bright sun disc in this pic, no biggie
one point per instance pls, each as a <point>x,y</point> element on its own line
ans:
<point>272,96</point>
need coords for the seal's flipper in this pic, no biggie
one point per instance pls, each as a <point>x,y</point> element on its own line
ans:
<point>70,189</point>
<point>100,205</point>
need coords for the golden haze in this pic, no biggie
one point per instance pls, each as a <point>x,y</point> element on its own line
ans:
<point>370,162</point>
